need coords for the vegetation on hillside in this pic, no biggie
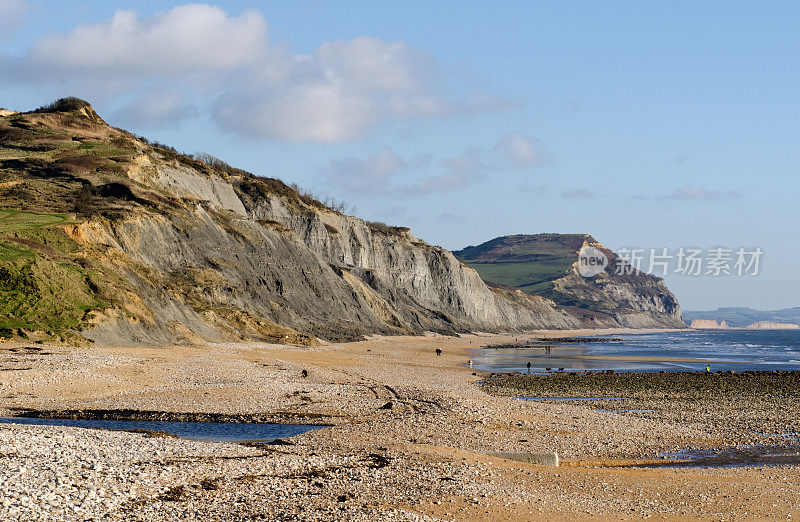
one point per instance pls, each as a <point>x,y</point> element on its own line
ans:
<point>532,278</point>
<point>383,228</point>
<point>45,285</point>
<point>528,262</point>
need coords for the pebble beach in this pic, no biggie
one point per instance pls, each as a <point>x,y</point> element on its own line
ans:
<point>404,435</point>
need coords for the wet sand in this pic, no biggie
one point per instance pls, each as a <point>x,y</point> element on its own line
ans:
<point>410,437</point>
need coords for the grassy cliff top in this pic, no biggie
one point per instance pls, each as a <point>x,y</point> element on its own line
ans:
<point>528,262</point>
<point>60,157</point>
<point>524,248</point>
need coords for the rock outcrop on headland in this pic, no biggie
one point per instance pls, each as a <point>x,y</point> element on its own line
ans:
<point>160,247</point>
<point>546,265</point>
<point>708,324</point>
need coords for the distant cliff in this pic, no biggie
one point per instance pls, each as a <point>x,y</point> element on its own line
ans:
<point>708,324</point>
<point>769,325</point>
<point>545,265</point>
<point>738,317</point>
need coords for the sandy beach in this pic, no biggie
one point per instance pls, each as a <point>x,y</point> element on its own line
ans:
<point>408,438</point>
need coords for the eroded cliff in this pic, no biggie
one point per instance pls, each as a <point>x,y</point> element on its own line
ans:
<point>160,247</point>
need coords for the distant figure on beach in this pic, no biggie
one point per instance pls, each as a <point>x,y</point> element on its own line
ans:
<point>470,363</point>
<point>547,350</point>
<point>529,367</point>
<point>304,373</point>
<point>438,352</point>
<point>708,369</point>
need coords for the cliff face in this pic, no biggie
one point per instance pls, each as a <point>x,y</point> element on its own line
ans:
<point>215,273</point>
<point>547,265</point>
<point>166,248</point>
<point>422,284</point>
<point>152,246</point>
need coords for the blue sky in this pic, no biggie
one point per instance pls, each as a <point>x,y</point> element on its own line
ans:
<point>646,125</point>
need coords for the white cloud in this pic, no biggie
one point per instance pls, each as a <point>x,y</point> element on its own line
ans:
<point>581,193</point>
<point>387,173</point>
<point>695,193</point>
<point>467,164</point>
<point>519,151</point>
<point>252,86</point>
<point>11,14</point>
<point>371,175</point>
<point>181,41</point>
<point>336,94</point>
<point>156,108</point>
<point>439,183</point>
<point>692,193</point>
<point>538,190</point>
<point>451,218</point>
<point>512,151</point>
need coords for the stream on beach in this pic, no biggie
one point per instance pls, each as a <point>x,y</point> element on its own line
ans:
<point>205,431</point>
<point>673,351</point>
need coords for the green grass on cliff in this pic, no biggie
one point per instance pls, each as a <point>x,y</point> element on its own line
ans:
<point>531,278</point>
<point>43,295</point>
<point>42,287</point>
<point>16,221</point>
<point>21,232</point>
<point>106,150</point>
<point>528,262</point>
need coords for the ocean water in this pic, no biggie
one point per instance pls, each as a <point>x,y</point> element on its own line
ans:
<point>737,350</point>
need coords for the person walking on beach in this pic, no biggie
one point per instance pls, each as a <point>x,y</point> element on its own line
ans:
<point>529,367</point>
<point>470,363</point>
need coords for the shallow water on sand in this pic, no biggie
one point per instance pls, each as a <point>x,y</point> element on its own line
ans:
<point>566,399</point>
<point>737,350</point>
<point>206,431</point>
<point>739,456</point>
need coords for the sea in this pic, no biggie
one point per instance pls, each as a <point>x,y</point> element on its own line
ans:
<point>671,351</point>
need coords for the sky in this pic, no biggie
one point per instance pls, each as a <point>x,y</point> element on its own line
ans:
<point>647,125</point>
